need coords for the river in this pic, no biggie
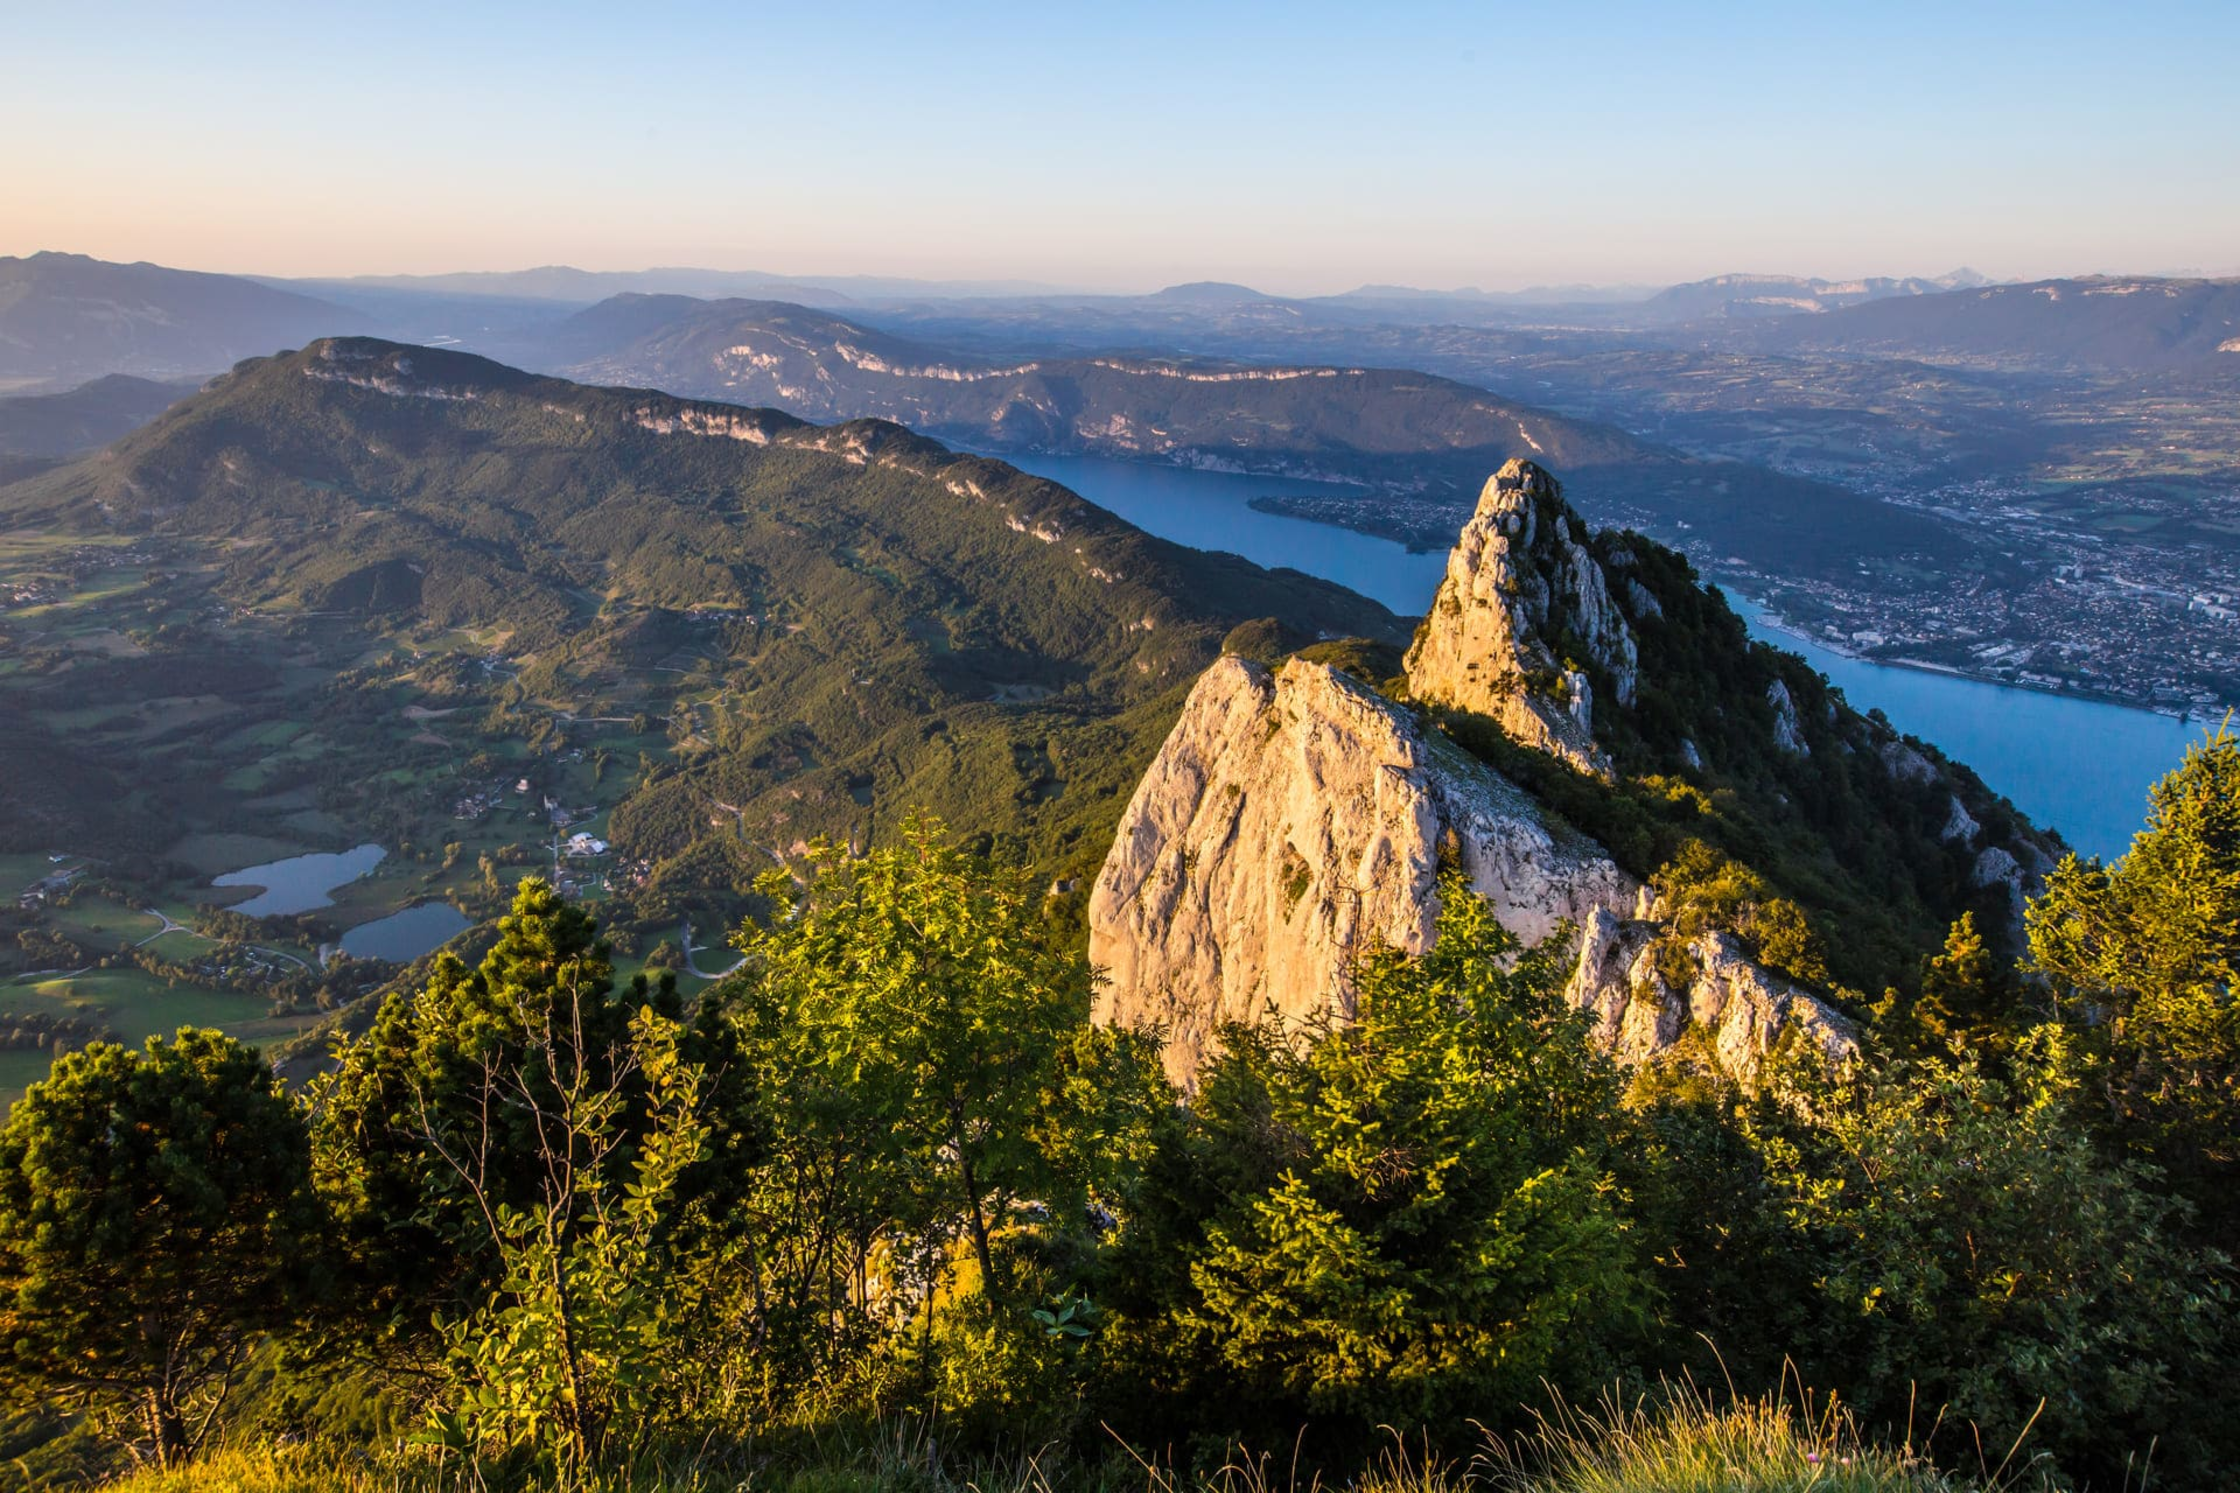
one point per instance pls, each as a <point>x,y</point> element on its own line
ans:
<point>2081,766</point>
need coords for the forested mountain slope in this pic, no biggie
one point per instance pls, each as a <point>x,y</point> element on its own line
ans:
<point>93,414</point>
<point>791,628</point>
<point>66,318</point>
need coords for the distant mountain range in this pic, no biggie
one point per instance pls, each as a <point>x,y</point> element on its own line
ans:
<point>564,283</point>
<point>65,318</point>
<point>2101,324</point>
<point>1192,412</point>
<point>1177,306</point>
<point>94,414</point>
<point>1785,295</point>
<point>1421,443</point>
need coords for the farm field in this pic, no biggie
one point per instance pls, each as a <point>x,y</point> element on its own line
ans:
<point>134,1006</point>
<point>227,773</point>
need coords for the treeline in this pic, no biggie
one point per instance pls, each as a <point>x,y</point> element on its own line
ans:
<point>538,1222</point>
<point>49,1031</point>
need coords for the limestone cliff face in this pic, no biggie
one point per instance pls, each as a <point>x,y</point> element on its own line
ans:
<point>1294,822</point>
<point>1743,1009</point>
<point>1291,823</point>
<point>1518,577</point>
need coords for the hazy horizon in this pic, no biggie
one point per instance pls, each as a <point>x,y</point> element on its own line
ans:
<point>1294,149</point>
<point>1041,285</point>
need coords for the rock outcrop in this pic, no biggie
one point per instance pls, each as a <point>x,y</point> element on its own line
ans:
<point>1293,822</point>
<point>1743,1010</point>
<point>1520,577</point>
<point>1788,731</point>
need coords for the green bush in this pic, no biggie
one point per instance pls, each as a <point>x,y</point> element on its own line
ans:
<point>1402,1220</point>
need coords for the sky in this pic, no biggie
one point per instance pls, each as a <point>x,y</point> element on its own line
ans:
<point>1300,147</point>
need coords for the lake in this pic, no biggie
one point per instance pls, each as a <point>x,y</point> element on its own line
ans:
<point>402,937</point>
<point>1210,511</point>
<point>302,882</point>
<point>2081,766</point>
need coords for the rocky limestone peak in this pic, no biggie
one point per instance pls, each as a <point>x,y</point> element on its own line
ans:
<point>1295,821</point>
<point>1519,579</point>
<point>1291,823</point>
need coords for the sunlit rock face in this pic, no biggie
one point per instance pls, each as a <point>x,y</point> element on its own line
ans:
<point>1292,822</point>
<point>1742,1009</point>
<point>1518,579</point>
<point>1295,821</point>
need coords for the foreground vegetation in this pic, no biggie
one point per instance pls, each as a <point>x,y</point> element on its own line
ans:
<point>1679,1443</point>
<point>541,1225</point>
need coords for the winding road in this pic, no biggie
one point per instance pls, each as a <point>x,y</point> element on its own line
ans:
<point>692,959</point>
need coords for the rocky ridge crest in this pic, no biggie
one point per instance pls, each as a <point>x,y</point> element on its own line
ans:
<point>1294,822</point>
<point>1743,1010</point>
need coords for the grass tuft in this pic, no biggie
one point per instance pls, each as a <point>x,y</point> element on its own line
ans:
<point>1678,1441</point>
<point>1684,1441</point>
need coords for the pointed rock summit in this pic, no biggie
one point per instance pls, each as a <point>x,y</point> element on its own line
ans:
<point>1523,613</point>
<point>1296,821</point>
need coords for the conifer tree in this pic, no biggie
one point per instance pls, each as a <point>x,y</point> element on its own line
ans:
<point>431,1123</point>
<point>156,1221</point>
<point>2143,956</point>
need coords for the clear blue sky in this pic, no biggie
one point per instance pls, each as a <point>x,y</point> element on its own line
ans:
<point>1299,147</point>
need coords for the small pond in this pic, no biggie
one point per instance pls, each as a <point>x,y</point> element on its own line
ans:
<point>301,882</point>
<point>402,937</point>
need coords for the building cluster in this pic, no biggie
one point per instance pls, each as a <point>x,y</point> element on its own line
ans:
<point>49,886</point>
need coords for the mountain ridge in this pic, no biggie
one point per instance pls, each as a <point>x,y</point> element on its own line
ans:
<point>92,414</point>
<point>67,318</point>
<point>835,622</point>
<point>1422,443</point>
<point>2104,323</point>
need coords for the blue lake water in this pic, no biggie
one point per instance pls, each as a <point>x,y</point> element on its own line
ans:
<point>1209,511</point>
<point>402,937</point>
<point>300,883</point>
<point>2080,766</point>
